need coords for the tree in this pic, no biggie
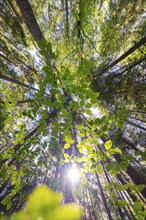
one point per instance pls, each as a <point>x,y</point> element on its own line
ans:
<point>48,103</point>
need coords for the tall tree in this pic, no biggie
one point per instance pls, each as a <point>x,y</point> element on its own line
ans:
<point>59,69</point>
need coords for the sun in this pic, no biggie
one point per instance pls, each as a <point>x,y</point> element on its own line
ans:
<point>73,175</point>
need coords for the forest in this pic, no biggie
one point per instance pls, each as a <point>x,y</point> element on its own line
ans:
<point>72,110</point>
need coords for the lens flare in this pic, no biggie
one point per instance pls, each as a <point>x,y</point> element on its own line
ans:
<point>73,175</point>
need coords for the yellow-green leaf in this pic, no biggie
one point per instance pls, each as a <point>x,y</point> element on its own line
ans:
<point>122,203</point>
<point>108,145</point>
<point>115,151</point>
<point>67,145</point>
<point>66,156</point>
<point>66,212</point>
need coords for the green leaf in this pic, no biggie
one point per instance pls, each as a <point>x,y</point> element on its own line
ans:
<point>67,145</point>
<point>108,144</point>
<point>124,165</point>
<point>9,204</point>
<point>42,44</point>
<point>122,203</point>
<point>82,159</point>
<point>99,155</point>
<point>19,126</point>
<point>133,187</point>
<point>81,150</point>
<point>125,186</point>
<point>113,168</point>
<point>115,151</point>
<point>89,105</point>
<point>137,206</point>
<point>66,212</point>
<point>99,169</point>
<point>6,200</point>
<point>140,187</point>
<point>118,187</point>
<point>88,112</point>
<point>11,150</point>
<point>86,167</point>
<point>69,140</point>
<point>6,156</point>
<point>140,217</point>
<point>43,203</point>
<point>66,156</point>
<point>49,47</point>
<point>109,186</point>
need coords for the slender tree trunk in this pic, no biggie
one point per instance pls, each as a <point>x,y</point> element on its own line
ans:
<point>103,198</point>
<point>138,111</point>
<point>109,181</point>
<point>123,56</point>
<point>87,201</point>
<point>127,68</point>
<point>84,205</point>
<point>15,81</point>
<point>135,175</point>
<point>129,144</point>
<point>31,22</point>
<point>15,63</point>
<point>67,20</point>
<point>136,125</point>
<point>92,205</point>
<point>13,45</point>
<point>133,197</point>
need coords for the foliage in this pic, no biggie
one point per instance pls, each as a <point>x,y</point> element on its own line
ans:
<point>53,117</point>
<point>45,204</point>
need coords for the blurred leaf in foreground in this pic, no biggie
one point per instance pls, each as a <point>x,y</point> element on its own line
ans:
<point>43,203</point>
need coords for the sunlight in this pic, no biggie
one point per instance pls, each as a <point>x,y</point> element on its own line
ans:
<point>73,175</point>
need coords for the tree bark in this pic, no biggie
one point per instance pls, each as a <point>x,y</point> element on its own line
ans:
<point>103,197</point>
<point>123,56</point>
<point>134,175</point>
<point>9,79</point>
<point>31,22</point>
<point>67,22</point>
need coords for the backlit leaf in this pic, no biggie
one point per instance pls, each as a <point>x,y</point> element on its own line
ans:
<point>108,144</point>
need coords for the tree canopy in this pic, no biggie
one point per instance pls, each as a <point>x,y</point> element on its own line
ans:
<point>73,109</point>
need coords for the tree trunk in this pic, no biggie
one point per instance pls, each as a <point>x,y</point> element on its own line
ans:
<point>123,56</point>
<point>136,176</point>
<point>103,198</point>
<point>9,79</point>
<point>31,22</point>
